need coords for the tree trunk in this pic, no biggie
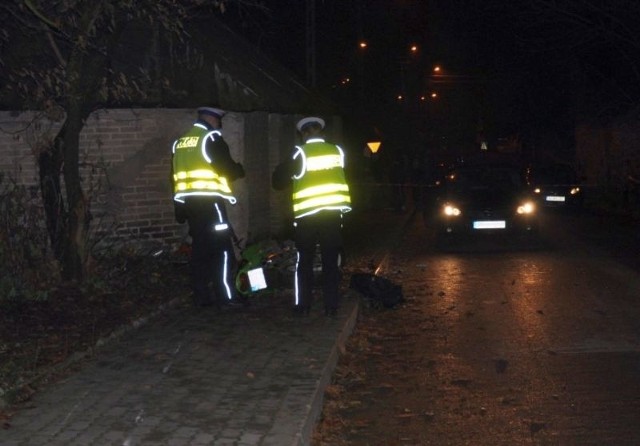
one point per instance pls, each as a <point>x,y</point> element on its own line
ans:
<point>75,242</point>
<point>50,167</point>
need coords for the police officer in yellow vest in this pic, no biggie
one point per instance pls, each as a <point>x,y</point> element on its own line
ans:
<point>320,197</point>
<point>202,173</point>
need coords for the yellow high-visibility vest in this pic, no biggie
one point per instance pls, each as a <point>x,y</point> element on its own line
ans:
<point>193,174</point>
<point>321,183</point>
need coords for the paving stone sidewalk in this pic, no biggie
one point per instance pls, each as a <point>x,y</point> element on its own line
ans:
<point>250,376</point>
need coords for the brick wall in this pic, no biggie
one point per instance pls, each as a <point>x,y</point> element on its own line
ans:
<point>125,156</point>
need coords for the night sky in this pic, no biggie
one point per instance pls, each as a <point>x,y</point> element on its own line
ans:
<point>517,67</point>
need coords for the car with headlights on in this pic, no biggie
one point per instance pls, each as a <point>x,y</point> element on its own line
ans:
<point>485,198</point>
<point>555,185</point>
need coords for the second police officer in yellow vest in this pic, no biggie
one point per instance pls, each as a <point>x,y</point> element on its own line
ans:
<point>202,173</point>
<point>320,196</point>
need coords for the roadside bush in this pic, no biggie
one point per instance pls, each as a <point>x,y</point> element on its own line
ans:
<point>28,265</point>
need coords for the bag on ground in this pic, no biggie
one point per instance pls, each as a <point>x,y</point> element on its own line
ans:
<point>381,291</point>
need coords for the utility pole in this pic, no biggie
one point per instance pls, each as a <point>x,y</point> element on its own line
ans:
<point>311,42</point>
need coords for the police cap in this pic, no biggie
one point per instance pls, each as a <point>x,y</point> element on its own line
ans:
<point>309,120</point>
<point>211,111</point>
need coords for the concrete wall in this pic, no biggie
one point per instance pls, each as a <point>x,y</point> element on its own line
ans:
<point>125,154</point>
<point>608,154</point>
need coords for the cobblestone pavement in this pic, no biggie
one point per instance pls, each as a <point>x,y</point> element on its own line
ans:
<point>250,376</point>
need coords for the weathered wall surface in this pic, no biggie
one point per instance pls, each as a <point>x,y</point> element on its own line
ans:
<point>125,154</point>
<point>609,157</point>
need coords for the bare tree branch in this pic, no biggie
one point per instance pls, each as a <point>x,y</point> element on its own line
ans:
<point>29,4</point>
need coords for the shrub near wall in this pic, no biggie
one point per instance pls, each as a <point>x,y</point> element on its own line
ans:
<point>21,137</point>
<point>27,262</point>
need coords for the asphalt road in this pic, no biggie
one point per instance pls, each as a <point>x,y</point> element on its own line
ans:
<point>504,343</point>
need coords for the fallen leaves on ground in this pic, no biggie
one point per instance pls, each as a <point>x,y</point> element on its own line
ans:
<point>36,335</point>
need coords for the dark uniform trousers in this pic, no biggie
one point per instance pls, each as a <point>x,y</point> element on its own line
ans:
<point>324,228</point>
<point>212,257</point>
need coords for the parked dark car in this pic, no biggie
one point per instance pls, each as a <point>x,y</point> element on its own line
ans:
<point>555,185</point>
<point>487,198</point>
